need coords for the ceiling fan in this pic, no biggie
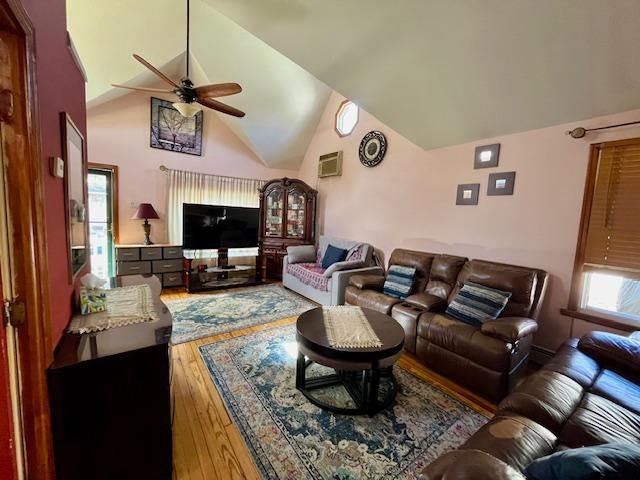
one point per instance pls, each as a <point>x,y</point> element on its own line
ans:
<point>189,95</point>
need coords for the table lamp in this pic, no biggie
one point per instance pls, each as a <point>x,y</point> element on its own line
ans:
<point>146,211</point>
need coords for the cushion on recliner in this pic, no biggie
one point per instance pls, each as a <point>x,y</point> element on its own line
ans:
<point>612,460</point>
<point>444,271</point>
<point>520,281</point>
<point>475,304</point>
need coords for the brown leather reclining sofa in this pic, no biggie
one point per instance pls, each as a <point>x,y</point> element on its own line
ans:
<point>587,394</point>
<point>487,359</point>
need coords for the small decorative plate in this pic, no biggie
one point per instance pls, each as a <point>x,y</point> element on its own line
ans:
<point>372,148</point>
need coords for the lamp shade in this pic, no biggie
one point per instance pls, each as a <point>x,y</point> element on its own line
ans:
<point>145,211</point>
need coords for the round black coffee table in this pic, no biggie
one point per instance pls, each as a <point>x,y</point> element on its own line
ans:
<point>359,370</point>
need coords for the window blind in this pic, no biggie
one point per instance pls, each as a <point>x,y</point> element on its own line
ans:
<point>613,235</point>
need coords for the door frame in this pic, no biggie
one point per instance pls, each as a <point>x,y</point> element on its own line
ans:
<point>113,171</point>
<point>25,192</point>
<point>114,194</point>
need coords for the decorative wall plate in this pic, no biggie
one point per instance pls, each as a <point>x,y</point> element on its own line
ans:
<point>372,148</point>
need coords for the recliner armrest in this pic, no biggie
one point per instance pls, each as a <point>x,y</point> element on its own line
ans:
<point>430,302</point>
<point>509,329</point>
<point>469,464</point>
<point>621,354</point>
<point>364,282</point>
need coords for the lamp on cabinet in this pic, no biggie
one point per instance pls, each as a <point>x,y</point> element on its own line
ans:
<point>145,212</point>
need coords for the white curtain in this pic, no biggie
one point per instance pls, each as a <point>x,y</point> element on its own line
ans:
<point>193,187</point>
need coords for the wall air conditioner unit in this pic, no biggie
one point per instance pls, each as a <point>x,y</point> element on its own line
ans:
<point>330,165</point>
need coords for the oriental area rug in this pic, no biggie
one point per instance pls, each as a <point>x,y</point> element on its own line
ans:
<point>203,315</point>
<point>289,437</point>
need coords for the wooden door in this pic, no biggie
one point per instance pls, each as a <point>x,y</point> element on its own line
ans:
<point>25,333</point>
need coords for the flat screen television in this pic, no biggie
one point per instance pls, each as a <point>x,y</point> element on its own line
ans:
<point>217,226</point>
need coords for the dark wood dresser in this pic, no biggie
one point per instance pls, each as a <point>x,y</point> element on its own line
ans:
<point>287,217</point>
<point>110,396</point>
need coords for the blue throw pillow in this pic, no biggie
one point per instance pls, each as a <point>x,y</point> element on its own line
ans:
<point>333,255</point>
<point>611,460</point>
<point>475,304</point>
<point>399,282</point>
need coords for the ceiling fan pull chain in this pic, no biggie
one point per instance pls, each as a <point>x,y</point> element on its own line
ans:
<point>188,34</point>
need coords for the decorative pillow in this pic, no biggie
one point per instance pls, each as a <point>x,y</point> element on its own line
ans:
<point>333,255</point>
<point>346,265</point>
<point>475,304</point>
<point>399,282</point>
<point>301,254</point>
<point>611,460</point>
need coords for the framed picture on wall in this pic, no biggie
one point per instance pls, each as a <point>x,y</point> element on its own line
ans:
<point>171,131</point>
<point>501,183</point>
<point>468,194</point>
<point>486,156</point>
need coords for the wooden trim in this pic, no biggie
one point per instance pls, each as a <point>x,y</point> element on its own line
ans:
<point>30,257</point>
<point>587,202</point>
<point>600,319</point>
<point>115,208</point>
<point>335,119</point>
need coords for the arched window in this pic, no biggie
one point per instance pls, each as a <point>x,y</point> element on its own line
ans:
<point>346,118</point>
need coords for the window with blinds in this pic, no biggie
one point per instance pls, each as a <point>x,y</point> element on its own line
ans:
<point>607,273</point>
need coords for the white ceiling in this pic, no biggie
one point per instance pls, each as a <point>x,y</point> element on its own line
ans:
<point>283,102</point>
<point>445,72</point>
<point>438,72</point>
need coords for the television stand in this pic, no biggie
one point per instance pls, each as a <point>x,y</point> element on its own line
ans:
<point>221,276</point>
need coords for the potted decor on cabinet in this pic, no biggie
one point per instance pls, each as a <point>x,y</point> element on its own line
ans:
<point>287,217</point>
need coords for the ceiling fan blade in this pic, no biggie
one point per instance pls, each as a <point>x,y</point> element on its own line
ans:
<point>155,70</point>
<point>142,89</point>
<point>218,90</point>
<point>220,107</point>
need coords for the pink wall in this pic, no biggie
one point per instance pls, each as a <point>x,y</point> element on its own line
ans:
<point>119,133</point>
<point>60,88</point>
<point>409,199</point>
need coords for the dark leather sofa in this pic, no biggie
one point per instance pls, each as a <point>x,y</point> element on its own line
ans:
<point>487,359</point>
<point>588,394</point>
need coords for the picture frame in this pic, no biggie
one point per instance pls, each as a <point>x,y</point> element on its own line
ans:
<point>169,130</point>
<point>486,156</point>
<point>501,183</point>
<point>468,194</point>
<point>75,194</point>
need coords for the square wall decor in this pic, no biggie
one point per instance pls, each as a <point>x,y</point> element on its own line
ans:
<point>501,183</point>
<point>169,130</point>
<point>487,156</point>
<point>468,194</point>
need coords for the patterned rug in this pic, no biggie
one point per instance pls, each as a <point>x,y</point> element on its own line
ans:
<point>201,316</point>
<point>290,438</point>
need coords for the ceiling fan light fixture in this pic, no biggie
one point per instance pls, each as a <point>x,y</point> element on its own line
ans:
<point>187,109</point>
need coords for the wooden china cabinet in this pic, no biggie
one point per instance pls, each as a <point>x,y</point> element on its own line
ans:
<point>287,217</point>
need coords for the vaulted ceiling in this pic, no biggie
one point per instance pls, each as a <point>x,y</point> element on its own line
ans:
<point>283,101</point>
<point>438,72</point>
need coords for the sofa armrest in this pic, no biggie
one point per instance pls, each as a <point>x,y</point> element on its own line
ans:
<point>301,253</point>
<point>509,329</point>
<point>340,280</point>
<point>365,282</point>
<point>345,265</point>
<point>469,464</point>
<point>620,354</point>
<point>433,303</point>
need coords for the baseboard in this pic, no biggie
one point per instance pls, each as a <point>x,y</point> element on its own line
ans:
<point>540,355</point>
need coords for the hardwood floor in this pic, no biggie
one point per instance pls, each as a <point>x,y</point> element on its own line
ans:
<point>207,445</point>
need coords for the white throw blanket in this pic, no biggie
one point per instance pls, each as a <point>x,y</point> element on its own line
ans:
<point>125,306</point>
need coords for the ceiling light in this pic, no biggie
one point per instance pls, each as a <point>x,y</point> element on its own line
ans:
<point>187,109</point>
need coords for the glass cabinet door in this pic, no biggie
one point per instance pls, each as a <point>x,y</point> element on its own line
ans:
<point>296,202</point>
<point>274,213</point>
